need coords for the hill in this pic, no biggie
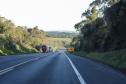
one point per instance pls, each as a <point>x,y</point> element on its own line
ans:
<point>62,34</point>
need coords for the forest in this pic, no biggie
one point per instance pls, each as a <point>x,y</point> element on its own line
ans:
<point>16,39</point>
<point>102,32</point>
<point>104,26</point>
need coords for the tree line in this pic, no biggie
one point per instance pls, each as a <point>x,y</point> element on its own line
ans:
<point>15,39</point>
<point>64,35</point>
<point>102,27</point>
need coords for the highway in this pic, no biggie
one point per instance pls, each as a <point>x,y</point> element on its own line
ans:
<point>55,68</point>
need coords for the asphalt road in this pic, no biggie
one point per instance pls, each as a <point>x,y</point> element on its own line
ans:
<point>55,68</point>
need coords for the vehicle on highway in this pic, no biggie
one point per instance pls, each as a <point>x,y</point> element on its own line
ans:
<point>44,48</point>
<point>70,49</point>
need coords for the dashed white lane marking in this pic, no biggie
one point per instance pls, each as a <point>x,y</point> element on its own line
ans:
<point>76,71</point>
<point>14,66</point>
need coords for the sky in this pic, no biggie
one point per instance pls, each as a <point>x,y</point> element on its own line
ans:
<point>49,15</point>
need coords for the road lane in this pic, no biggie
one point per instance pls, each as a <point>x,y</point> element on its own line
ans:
<point>95,73</point>
<point>81,79</point>
<point>4,71</point>
<point>8,61</point>
<point>54,69</point>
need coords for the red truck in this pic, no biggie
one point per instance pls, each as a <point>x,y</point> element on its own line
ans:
<point>44,48</point>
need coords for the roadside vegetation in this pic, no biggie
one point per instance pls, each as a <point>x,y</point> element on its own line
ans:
<point>102,33</point>
<point>21,39</point>
<point>115,59</point>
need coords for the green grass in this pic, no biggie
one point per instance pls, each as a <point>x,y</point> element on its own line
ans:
<point>116,59</point>
<point>1,52</point>
<point>18,50</point>
<point>4,52</point>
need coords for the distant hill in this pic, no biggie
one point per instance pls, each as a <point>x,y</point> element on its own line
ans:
<point>62,34</point>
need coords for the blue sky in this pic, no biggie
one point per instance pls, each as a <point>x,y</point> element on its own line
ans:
<point>56,15</point>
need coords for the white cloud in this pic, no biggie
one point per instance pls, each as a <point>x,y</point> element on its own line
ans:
<point>47,14</point>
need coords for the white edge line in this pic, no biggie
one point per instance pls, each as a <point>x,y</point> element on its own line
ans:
<point>76,71</point>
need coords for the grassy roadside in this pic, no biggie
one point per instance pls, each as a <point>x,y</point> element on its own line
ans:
<point>6,52</point>
<point>17,53</point>
<point>115,59</point>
